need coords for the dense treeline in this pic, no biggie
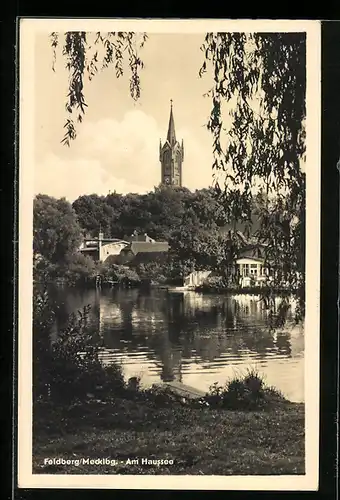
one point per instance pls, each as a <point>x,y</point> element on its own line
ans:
<point>159,213</point>
<point>194,223</point>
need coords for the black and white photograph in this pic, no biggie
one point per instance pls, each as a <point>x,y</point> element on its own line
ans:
<point>169,254</point>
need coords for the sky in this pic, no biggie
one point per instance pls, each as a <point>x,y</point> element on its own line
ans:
<point>117,146</point>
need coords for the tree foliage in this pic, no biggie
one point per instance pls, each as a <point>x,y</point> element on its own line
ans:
<point>56,239</point>
<point>57,233</point>
<point>158,213</point>
<point>94,214</point>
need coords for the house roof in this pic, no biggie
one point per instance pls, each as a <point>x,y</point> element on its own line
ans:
<point>256,259</point>
<point>104,240</point>
<point>146,247</point>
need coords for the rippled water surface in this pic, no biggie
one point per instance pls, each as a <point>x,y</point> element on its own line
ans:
<point>197,339</point>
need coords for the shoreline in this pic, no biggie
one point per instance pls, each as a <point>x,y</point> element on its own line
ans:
<point>204,290</point>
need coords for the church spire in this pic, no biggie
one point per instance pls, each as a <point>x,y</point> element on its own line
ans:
<point>171,156</point>
<point>171,130</point>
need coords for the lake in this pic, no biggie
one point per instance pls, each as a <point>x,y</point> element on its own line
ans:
<point>193,338</point>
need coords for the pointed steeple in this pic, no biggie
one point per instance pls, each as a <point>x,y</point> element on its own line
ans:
<point>171,137</point>
<point>171,156</point>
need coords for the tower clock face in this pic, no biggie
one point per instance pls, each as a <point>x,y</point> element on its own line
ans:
<point>167,180</point>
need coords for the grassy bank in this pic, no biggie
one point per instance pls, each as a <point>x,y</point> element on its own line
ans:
<point>199,440</point>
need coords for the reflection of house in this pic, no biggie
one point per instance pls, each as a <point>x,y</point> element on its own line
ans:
<point>110,316</point>
<point>101,248</point>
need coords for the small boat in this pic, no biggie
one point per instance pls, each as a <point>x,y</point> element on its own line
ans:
<point>180,289</point>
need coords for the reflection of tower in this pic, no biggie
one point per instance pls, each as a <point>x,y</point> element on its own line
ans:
<point>126,309</point>
<point>175,316</point>
<point>171,360</point>
<point>171,156</point>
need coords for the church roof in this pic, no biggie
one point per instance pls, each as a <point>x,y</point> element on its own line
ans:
<point>171,137</point>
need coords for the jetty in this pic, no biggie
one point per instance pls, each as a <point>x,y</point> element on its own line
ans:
<point>186,391</point>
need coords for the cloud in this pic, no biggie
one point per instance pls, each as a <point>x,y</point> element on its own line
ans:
<point>110,155</point>
<point>71,178</point>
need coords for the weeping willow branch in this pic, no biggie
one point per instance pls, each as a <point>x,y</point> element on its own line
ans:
<point>87,54</point>
<point>257,122</point>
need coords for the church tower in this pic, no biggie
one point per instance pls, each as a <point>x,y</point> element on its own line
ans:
<point>171,156</point>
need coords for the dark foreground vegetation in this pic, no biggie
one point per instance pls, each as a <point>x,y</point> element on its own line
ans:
<point>85,410</point>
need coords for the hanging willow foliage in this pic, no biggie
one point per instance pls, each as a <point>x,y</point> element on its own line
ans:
<point>257,122</point>
<point>263,77</point>
<point>85,56</point>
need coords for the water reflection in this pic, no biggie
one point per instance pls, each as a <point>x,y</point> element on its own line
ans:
<point>194,338</point>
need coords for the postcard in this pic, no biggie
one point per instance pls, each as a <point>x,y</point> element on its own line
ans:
<point>169,251</point>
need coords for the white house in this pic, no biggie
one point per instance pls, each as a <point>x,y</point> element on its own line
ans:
<point>251,270</point>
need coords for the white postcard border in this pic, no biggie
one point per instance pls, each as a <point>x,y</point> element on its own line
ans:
<point>28,29</point>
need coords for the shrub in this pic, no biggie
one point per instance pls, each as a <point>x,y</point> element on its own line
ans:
<point>154,271</point>
<point>123,275</point>
<point>45,271</point>
<point>43,319</point>
<point>77,369</point>
<point>214,283</point>
<point>247,392</point>
<point>79,269</point>
<point>69,368</point>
